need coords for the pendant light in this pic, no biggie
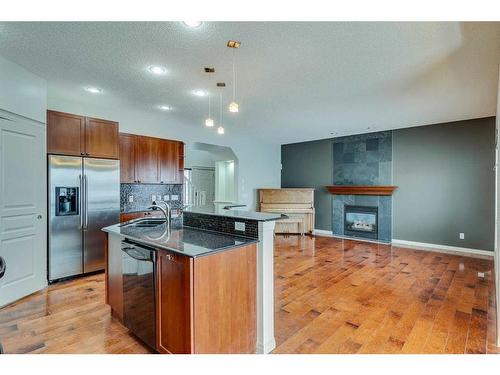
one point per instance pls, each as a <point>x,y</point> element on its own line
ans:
<point>233,106</point>
<point>209,122</point>
<point>220,129</point>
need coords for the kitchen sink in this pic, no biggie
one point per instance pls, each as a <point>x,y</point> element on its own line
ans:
<point>145,223</point>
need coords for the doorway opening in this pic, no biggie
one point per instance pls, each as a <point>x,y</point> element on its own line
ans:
<point>210,174</point>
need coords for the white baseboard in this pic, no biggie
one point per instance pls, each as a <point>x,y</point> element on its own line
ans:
<point>442,248</point>
<point>321,232</point>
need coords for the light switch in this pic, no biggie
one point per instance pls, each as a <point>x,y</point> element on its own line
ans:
<point>130,198</point>
<point>462,236</point>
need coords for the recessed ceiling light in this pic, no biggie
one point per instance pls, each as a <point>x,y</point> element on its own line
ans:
<point>199,92</point>
<point>193,24</point>
<point>158,70</point>
<point>164,107</point>
<point>93,90</point>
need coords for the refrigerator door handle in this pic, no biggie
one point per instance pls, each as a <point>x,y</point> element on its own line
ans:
<point>80,201</point>
<point>86,208</point>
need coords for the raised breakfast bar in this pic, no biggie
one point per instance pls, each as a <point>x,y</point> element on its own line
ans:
<point>203,284</point>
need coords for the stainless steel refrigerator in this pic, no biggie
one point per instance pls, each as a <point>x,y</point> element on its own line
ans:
<point>84,196</point>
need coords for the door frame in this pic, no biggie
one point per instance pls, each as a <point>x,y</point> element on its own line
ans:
<point>497,210</point>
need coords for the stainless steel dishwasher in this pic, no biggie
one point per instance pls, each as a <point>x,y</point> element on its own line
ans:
<point>139,307</point>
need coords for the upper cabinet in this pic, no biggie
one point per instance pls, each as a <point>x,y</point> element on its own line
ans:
<point>65,133</point>
<point>101,138</point>
<point>127,158</point>
<point>151,160</point>
<point>69,134</point>
<point>146,159</point>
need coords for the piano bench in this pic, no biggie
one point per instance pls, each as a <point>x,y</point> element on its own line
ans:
<point>292,220</point>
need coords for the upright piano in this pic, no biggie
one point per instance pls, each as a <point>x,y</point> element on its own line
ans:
<point>296,203</point>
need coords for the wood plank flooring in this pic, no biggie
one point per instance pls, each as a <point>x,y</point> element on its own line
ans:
<point>341,296</point>
<point>331,296</point>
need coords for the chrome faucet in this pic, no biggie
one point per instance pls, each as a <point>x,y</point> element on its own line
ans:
<point>168,209</point>
<point>155,206</point>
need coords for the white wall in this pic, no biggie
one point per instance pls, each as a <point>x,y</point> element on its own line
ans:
<point>198,158</point>
<point>259,162</point>
<point>22,92</point>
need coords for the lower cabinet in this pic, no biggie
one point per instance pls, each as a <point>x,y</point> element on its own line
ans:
<point>174,313</point>
<point>204,305</point>
<point>207,305</point>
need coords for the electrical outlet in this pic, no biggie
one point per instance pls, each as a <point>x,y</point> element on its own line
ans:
<point>174,197</point>
<point>153,198</point>
<point>166,198</point>
<point>480,274</point>
<point>239,226</point>
<point>461,236</point>
<point>130,198</point>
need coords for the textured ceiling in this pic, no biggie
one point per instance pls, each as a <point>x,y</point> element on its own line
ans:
<point>296,81</point>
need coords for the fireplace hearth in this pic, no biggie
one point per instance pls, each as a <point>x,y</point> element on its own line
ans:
<point>361,221</point>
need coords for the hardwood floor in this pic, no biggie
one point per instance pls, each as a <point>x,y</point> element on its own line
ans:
<point>335,296</point>
<point>68,317</point>
<point>332,296</point>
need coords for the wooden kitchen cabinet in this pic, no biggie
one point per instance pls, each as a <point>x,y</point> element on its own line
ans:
<point>101,138</point>
<point>204,305</point>
<point>65,133</point>
<point>127,158</point>
<point>69,134</point>
<point>150,160</point>
<point>169,162</point>
<point>174,307</point>
<point>146,160</point>
<point>207,304</point>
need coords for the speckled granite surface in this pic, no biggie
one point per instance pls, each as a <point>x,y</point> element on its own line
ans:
<point>142,196</point>
<point>188,241</point>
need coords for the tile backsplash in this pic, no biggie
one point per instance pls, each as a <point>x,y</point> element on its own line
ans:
<point>142,194</point>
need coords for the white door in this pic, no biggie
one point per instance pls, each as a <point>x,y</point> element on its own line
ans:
<point>23,223</point>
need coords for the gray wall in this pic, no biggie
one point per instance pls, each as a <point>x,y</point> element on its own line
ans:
<point>446,183</point>
<point>445,177</point>
<point>310,164</point>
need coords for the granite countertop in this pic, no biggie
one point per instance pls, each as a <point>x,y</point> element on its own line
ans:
<point>189,241</point>
<point>237,214</point>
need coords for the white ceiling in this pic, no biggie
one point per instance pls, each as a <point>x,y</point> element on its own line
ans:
<point>296,81</point>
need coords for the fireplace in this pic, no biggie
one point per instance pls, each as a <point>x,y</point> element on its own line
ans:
<point>361,221</point>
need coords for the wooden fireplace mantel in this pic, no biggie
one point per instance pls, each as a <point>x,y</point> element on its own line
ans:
<point>361,190</point>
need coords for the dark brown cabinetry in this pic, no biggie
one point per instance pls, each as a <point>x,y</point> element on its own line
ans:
<point>65,133</point>
<point>101,138</point>
<point>174,307</point>
<point>69,134</point>
<point>146,160</point>
<point>204,305</point>
<point>127,158</point>
<point>151,160</point>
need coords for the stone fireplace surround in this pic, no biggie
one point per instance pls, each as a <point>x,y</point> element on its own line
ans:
<point>364,159</point>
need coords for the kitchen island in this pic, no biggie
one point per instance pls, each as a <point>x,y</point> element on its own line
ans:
<point>200,279</point>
